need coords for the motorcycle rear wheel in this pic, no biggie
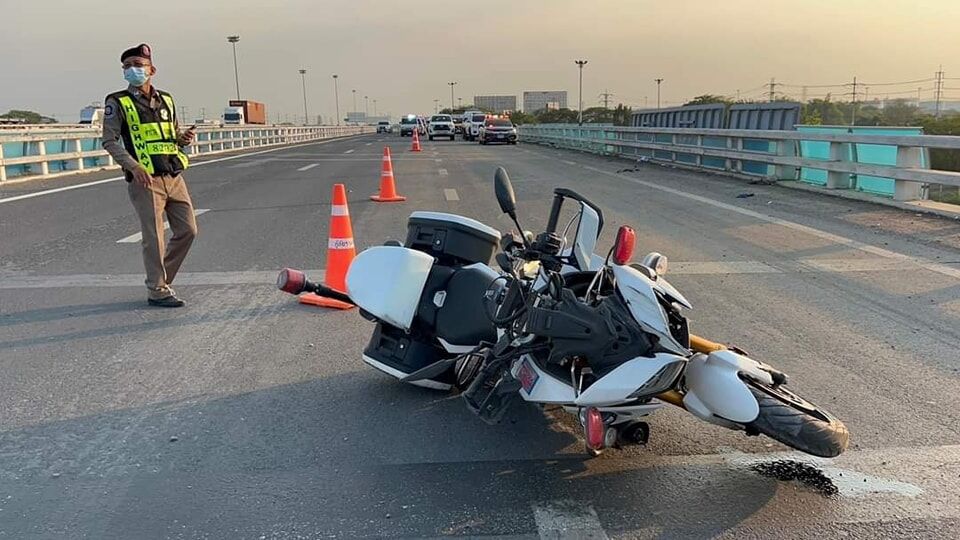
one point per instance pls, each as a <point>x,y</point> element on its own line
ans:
<point>790,419</point>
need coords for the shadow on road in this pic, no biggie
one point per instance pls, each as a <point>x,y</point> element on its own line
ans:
<point>352,455</point>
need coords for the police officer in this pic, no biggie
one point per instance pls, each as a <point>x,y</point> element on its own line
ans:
<point>141,132</point>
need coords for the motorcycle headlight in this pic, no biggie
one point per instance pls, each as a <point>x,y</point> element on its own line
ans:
<point>656,262</point>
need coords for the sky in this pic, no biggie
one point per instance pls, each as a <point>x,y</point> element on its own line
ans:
<point>57,56</point>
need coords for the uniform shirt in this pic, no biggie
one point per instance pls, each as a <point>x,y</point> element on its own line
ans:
<point>114,120</point>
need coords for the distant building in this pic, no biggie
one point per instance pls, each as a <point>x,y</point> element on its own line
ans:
<point>551,99</point>
<point>497,104</point>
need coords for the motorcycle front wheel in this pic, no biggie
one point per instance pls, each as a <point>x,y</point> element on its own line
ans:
<point>788,418</point>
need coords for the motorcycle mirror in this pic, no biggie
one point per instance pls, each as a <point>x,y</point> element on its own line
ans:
<point>504,191</point>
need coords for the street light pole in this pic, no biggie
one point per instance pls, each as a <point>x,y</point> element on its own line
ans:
<point>436,106</point>
<point>336,93</point>
<point>375,107</point>
<point>366,106</point>
<point>236,72</point>
<point>354,100</point>
<point>580,64</point>
<point>452,84</point>
<point>303,82</point>
<point>658,92</point>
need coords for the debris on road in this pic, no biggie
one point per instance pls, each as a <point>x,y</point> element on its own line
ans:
<point>745,195</point>
<point>805,473</point>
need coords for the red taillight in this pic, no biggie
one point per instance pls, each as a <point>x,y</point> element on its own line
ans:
<point>596,431</point>
<point>291,281</point>
<point>623,247</point>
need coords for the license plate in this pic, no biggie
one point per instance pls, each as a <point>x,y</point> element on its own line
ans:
<point>527,376</point>
<point>500,136</point>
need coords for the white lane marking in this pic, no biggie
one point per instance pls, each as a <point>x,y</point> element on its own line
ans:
<point>136,280</point>
<point>248,164</point>
<point>694,268</point>
<point>451,194</point>
<point>439,160</point>
<point>568,162</point>
<point>842,240</point>
<point>558,520</point>
<point>350,151</point>
<point>369,144</point>
<point>136,238</point>
<point>308,167</point>
<point>442,172</point>
<point>207,162</point>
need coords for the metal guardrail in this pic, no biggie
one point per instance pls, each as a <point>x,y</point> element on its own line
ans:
<point>52,151</point>
<point>777,152</point>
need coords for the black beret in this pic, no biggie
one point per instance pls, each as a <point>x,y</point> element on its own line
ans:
<point>142,50</point>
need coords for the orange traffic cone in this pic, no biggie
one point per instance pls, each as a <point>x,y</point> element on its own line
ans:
<point>388,187</point>
<point>416,142</point>
<point>340,252</point>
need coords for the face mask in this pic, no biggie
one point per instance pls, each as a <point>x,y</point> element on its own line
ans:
<point>136,75</point>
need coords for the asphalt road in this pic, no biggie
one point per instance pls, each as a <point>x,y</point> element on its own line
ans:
<point>247,415</point>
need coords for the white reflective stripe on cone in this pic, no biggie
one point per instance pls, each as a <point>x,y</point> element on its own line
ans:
<point>386,173</point>
<point>340,243</point>
<point>339,210</point>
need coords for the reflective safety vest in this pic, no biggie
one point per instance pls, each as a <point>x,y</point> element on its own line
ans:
<point>153,142</point>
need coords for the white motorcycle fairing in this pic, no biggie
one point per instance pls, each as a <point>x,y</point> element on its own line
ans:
<point>617,386</point>
<point>387,281</point>
<point>639,291</point>
<point>715,391</point>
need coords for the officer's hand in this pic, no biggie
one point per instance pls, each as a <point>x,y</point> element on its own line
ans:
<point>142,177</point>
<point>187,137</point>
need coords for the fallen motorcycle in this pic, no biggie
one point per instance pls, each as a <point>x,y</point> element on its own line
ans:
<point>602,337</point>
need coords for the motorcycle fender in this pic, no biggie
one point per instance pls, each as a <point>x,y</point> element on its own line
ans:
<point>714,387</point>
<point>625,379</point>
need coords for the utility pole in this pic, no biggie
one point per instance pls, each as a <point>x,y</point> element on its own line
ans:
<point>366,106</point>
<point>354,100</point>
<point>658,92</point>
<point>939,87</point>
<point>773,89</point>
<point>803,95</point>
<point>436,106</point>
<point>236,71</point>
<point>605,96</point>
<point>459,103</point>
<point>919,88</point>
<point>303,83</point>
<point>336,94</point>
<point>375,107</point>
<point>580,64</point>
<point>452,84</point>
<point>853,108</point>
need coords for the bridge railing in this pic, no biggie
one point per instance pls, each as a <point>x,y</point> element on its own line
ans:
<point>769,154</point>
<point>34,152</point>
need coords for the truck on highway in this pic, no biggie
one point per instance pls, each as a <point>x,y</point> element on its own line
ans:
<point>242,111</point>
<point>92,114</point>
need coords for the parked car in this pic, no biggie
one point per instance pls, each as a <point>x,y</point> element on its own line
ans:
<point>472,121</point>
<point>408,124</point>
<point>458,124</point>
<point>441,125</point>
<point>384,127</point>
<point>498,130</point>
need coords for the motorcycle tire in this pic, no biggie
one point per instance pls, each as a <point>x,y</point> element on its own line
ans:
<point>797,423</point>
